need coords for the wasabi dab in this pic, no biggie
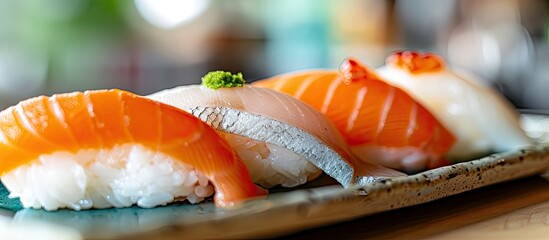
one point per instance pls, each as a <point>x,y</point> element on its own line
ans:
<point>222,79</point>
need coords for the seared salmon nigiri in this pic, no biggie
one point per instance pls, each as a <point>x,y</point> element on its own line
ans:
<point>381,123</point>
<point>112,148</point>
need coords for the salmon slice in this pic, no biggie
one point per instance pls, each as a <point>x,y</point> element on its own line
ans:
<point>376,119</point>
<point>105,118</point>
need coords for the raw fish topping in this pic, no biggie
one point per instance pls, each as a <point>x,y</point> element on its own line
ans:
<point>381,123</point>
<point>482,120</point>
<point>416,62</point>
<point>105,119</point>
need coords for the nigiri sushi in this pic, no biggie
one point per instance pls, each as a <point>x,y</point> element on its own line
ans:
<point>111,148</point>
<point>481,119</point>
<point>381,123</point>
<point>281,140</point>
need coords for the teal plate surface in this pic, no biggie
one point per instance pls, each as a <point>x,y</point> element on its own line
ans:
<point>11,204</point>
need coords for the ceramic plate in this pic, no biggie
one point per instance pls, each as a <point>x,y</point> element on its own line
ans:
<point>319,203</point>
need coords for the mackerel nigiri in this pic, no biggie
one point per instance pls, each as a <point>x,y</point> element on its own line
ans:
<point>112,148</point>
<point>380,122</point>
<point>482,120</point>
<point>282,140</point>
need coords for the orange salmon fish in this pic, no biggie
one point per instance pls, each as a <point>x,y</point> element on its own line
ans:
<point>380,122</point>
<point>104,119</point>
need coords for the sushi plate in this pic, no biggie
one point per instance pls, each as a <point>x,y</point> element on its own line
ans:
<point>285,211</point>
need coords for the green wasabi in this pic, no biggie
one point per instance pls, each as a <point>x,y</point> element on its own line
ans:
<point>222,79</point>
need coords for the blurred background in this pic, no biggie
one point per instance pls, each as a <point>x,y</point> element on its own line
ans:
<point>51,46</point>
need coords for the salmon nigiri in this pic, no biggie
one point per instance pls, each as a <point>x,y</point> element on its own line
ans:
<point>112,148</point>
<point>380,122</point>
<point>482,120</point>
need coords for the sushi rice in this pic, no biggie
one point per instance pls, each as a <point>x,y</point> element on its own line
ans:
<point>122,176</point>
<point>271,165</point>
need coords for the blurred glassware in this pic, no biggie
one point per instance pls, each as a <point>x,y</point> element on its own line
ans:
<point>178,29</point>
<point>297,33</point>
<point>359,29</point>
<point>22,74</point>
<point>239,40</point>
<point>536,89</point>
<point>492,43</point>
<point>147,45</point>
<point>424,24</point>
<point>534,17</point>
<point>168,14</point>
<point>224,35</point>
<point>536,20</point>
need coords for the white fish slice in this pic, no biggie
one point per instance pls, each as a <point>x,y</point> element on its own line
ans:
<point>276,118</point>
<point>481,119</point>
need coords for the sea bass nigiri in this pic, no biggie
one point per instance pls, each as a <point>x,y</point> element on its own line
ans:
<point>380,122</point>
<point>281,140</point>
<point>111,148</point>
<point>482,120</point>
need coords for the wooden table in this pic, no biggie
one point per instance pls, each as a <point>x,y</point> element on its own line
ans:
<point>513,210</point>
